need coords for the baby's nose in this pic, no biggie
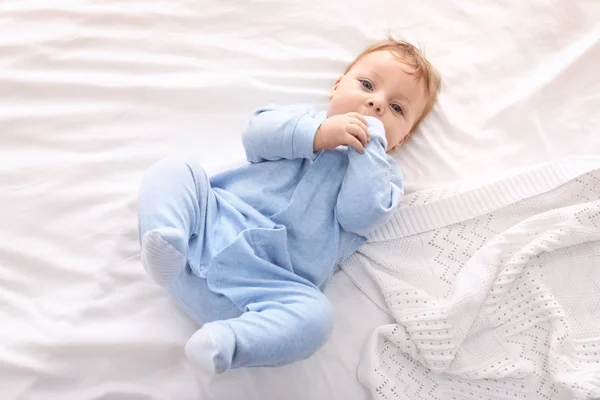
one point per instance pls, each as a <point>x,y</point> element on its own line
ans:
<point>372,104</point>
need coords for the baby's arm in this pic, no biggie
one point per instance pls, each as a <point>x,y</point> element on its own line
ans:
<point>372,186</point>
<point>275,133</point>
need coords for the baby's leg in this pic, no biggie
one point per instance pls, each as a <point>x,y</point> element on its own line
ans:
<point>286,321</point>
<point>169,209</point>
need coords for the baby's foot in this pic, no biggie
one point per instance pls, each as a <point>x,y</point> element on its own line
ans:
<point>212,347</point>
<point>164,253</point>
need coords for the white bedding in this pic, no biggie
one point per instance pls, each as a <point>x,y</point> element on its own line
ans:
<point>494,289</point>
<point>93,92</point>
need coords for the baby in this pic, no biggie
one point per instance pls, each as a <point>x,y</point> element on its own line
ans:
<point>246,253</point>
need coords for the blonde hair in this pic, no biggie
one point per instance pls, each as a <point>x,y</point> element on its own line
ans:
<point>413,57</point>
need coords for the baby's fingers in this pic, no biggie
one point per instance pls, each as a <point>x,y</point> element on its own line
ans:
<point>358,116</point>
<point>361,124</point>
<point>354,142</point>
<point>360,133</point>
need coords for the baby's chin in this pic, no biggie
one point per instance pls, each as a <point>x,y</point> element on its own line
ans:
<point>393,149</point>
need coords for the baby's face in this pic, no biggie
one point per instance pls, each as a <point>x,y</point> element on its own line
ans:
<point>379,86</point>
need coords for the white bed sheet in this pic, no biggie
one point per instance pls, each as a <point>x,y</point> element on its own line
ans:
<point>93,92</point>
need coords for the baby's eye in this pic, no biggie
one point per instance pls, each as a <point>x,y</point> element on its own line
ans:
<point>397,108</point>
<point>366,84</point>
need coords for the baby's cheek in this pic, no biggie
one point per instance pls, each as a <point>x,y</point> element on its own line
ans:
<point>336,107</point>
<point>400,132</point>
<point>391,136</point>
<point>347,103</point>
<point>333,109</point>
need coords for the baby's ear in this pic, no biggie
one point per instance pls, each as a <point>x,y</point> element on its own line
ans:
<point>335,86</point>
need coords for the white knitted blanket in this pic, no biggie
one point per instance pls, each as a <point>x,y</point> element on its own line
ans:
<point>495,290</point>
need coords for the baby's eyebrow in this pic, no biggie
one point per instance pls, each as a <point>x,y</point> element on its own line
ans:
<point>405,100</point>
<point>375,73</point>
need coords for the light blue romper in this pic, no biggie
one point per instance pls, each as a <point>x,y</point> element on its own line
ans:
<point>265,238</point>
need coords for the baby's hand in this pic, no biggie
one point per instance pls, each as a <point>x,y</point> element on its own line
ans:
<point>344,129</point>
